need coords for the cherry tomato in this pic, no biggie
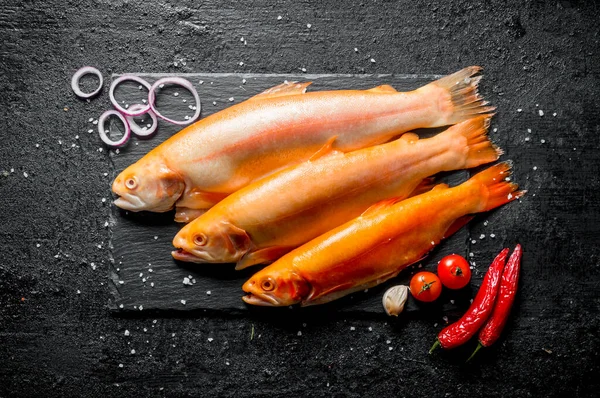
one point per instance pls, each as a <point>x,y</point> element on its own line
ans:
<point>454,271</point>
<point>425,286</point>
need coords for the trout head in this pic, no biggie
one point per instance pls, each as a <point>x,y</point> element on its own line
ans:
<point>148,185</point>
<point>275,286</point>
<point>206,240</point>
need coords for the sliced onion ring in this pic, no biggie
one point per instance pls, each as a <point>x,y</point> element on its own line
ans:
<point>180,82</point>
<point>111,95</point>
<point>137,130</point>
<point>105,137</point>
<point>86,70</point>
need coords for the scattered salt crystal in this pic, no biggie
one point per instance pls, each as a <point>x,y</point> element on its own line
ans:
<point>373,60</point>
<point>120,365</point>
<point>132,352</point>
<point>299,333</point>
<point>355,49</point>
<point>445,318</point>
<point>208,292</point>
<point>243,81</point>
<point>12,170</point>
<point>451,301</point>
<point>492,236</point>
<point>390,348</point>
<point>25,174</point>
<point>144,100</point>
<point>303,69</point>
<point>151,284</point>
<point>145,330</point>
<point>103,200</point>
<point>183,302</point>
<point>155,237</point>
<point>154,321</point>
<point>526,138</point>
<point>193,280</point>
<point>370,329</point>
<point>176,94</point>
<point>482,236</point>
<point>279,17</point>
<point>186,281</point>
<point>91,119</point>
<point>230,99</point>
<point>38,245</point>
<point>121,282</point>
<point>495,129</point>
<point>126,332</point>
<point>201,82</point>
<point>141,274</point>
<point>541,112</point>
<point>554,114</point>
<point>529,131</point>
<point>144,280</point>
<point>352,328</point>
<point>241,63</point>
<point>543,141</point>
<point>93,266</point>
<point>150,269</point>
<point>161,86</point>
<point>471,254</point>
<point>242,39</point>
<point>210,339</point>
<point>78,291</point>
<point>227,363</point>
<point>435,325</point>
<point>308,25</point>
<point>473,241</point>
<point>95,122</point>
<point>120,305</point>
<point>388,341</point>
<point>38,145</point>
<point>141,307</point>
<point>519,110</point>
<point>214,102</point>
<point>90,131</point>
<point>534,167</point>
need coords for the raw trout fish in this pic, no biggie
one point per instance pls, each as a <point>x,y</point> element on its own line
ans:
<point>285,125</point>
<point>377,245</point>
<point>273,215</point>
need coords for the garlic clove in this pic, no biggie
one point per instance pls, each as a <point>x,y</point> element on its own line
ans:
<point>394,299</point>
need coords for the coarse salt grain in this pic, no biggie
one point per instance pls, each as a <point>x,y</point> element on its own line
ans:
<point>299,333</point>
<point>519,110</point>
<point>541,112</point>
<point>492,235</point>
<point>279,17</point>
<point>25,174</point>
<point>352,328</point>
<point>126,332</point>
<point>183,302</point>
<point>210,339</point>
<point>308,25</point>
<point>372,60</point>
<point>208,292</point>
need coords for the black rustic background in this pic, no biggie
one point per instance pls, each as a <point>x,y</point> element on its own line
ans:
<point>57,334</point>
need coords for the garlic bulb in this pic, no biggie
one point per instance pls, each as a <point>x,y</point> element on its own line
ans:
<point>394,299</point>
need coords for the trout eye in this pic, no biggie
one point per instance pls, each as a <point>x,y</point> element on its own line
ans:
<point>131,183</point>
<point>200,240</point>
<point>267,285</point>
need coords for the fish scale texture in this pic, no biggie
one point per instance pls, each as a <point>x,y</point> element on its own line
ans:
<point>56,332</point>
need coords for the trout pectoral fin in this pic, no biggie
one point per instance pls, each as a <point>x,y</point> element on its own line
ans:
<point>284,89</point>
<point>198,199</point>
<point>261,256</point>
<point>186,215</point>
<point>424,186</point>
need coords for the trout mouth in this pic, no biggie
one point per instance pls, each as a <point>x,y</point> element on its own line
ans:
<point>183,255</point>
<point>261,299</point>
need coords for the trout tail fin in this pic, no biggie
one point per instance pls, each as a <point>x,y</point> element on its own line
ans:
<point>499,191</point>
<point>460,99</point>
<point>480,149</point>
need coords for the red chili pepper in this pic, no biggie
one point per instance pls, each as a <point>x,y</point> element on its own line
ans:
<point>462,330</point>
<point>506,296</point>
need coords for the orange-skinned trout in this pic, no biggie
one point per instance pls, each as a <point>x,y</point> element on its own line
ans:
<point>285,125</point>
<point>376,246</point>
<point>273,215</point>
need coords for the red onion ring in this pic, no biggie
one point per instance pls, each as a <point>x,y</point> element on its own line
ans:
<point>103,135</point>
<point>111,94</point>
<point>135,129</point>
<point>180,82</point>
<point>86,70</point>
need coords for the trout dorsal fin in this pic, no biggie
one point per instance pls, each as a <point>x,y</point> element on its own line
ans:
<point>384,88</point>
<point>325,150</point>
<point>284,89</point>
<point>380,205</point>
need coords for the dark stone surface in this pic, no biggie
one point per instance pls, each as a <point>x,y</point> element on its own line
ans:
<point>55,341</point>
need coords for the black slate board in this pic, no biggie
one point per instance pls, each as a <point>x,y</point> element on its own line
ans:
<point>145,277</point>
